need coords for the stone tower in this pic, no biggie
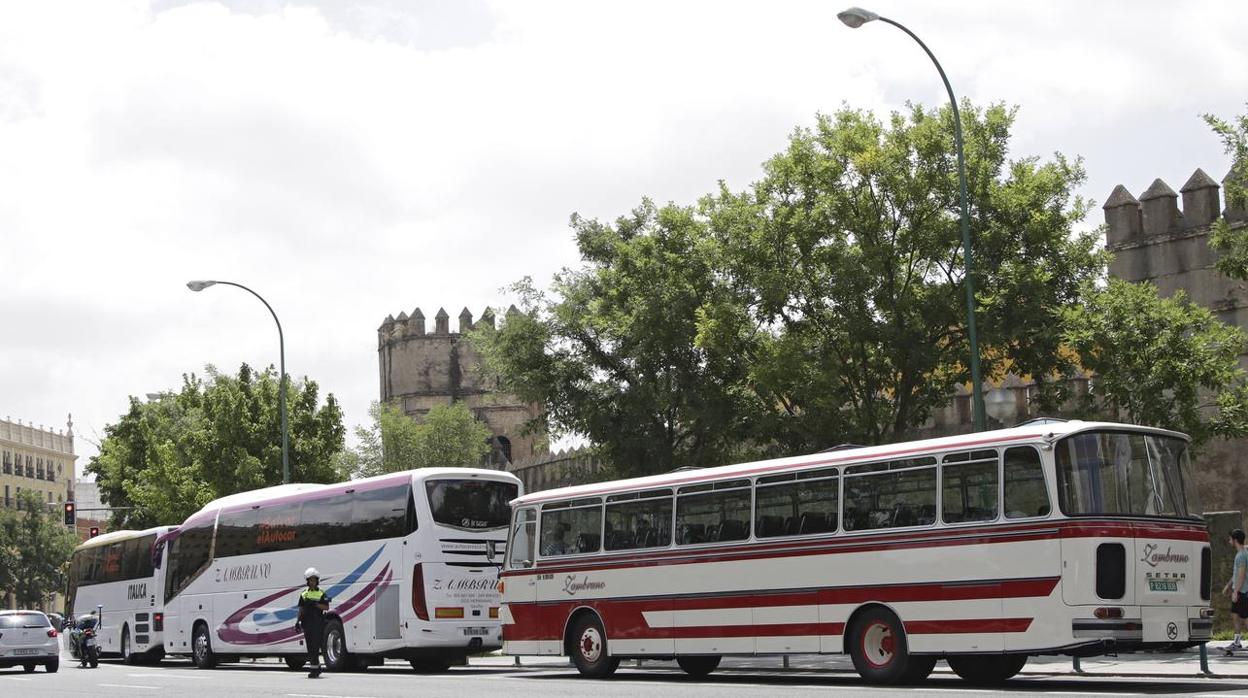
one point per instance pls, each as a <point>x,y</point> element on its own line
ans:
<point>1153,240</point>
<point>420,369</point>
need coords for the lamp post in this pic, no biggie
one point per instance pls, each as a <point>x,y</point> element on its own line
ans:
<point>281,343</point>
<point>853,18</point>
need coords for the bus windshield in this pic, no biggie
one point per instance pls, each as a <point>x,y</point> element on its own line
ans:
<point>1123,472</point>
<point>471,503</point>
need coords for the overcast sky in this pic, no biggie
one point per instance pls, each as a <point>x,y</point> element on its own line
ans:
<point>353,160</point>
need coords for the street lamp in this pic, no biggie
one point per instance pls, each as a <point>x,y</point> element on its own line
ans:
<point>853,18</point>
<point>198,286</point>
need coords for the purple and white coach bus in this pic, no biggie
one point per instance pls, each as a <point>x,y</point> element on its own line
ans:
<point>410,559</point>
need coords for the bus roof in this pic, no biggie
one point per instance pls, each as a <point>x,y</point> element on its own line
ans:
<point>1025,433</point>
<point>293,491</point>
<point>127,534</point>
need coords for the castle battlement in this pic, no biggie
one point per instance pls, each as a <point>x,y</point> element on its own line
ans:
<point>408,326</point>
<point>1156,213</point>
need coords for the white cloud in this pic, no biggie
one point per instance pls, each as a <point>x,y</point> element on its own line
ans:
<point>352,160</point>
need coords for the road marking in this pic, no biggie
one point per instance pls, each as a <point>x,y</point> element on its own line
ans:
<point>129,685</point>
<point>322,695</point>
<point>166,676</point>
<point>16,678</point>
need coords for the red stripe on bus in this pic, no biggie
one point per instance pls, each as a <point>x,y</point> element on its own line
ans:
<point>624,618</point>
<point>973,625</point>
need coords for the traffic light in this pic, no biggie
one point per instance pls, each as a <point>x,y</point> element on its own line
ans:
<point>95,531</point>
<point>69,513</point>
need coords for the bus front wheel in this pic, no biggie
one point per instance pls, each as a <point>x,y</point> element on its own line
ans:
<point>881,655</point>
<point>294,661</point>
<point>201,648</point>
<point>588,648</point>
<point>987,670</point>
<point>336,656</point>
<point>127,657</point>
<point>699,666</point>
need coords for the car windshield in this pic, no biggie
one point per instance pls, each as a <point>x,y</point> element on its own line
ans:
<point>1123,472</point>
<point>471,503</point>
<point>24,620</point>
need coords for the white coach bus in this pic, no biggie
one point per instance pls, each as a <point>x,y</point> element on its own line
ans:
<point>410,560</point>
<point>123,572</point>
<point>983,549</point>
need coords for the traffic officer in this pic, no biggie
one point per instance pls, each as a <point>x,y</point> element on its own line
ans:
<point>313,603</point>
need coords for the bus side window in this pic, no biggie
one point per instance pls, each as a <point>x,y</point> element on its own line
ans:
<point>1025,491</point>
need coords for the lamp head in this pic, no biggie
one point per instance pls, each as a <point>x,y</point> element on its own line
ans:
<point>855,17</point>
<point>199,285</point>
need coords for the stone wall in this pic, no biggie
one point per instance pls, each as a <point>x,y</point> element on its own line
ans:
<point>561,469</point>
<point>420,369</point>
<point>1152,240</point>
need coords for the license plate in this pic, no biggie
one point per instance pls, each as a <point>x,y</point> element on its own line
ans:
<point>1163,585</point>
<point>476,632</point>
<point>25,652</point>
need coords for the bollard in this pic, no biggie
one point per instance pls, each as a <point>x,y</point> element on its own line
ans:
<point>517,660</point>
<point>1075,660</point>
<point>1204,658</point>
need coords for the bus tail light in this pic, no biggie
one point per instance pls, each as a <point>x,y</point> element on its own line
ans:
<point>501,586</point>
<point>494,612</point>
<point>158,622</point>
<point>1206,613</point>
<point>451,612</point>
<point>1206,573</point>
<point>418,592</point>
<point>1108,612</point>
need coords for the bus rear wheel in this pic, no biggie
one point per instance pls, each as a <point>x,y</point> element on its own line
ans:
<point>987,669</point>
<point>588,647</point>
<point>881,655</point>
<point>699,666</point>
<point>336,656</point>
<point>201,648</point>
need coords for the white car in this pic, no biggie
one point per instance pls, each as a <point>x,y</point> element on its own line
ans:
<point>27,639</point>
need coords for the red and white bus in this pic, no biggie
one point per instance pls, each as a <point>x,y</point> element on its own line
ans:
<point>983,549</point>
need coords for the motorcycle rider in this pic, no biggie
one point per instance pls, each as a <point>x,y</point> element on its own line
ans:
<point>82,625</point>
<point>313,603</point>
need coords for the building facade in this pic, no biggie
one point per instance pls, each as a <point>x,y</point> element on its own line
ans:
<point>36,459</point>
<point>39,460</point>
<point>420,369</point>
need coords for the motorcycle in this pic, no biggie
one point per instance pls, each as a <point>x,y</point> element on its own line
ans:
<point>82,640</point>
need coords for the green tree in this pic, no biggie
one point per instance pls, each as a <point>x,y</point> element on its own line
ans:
<point>1163,362</point>
<point>34,549</point>
<point>611,353</point>
<point>447,436</point>
<point>1232,241</point>
<point>846,263</point>
<point>168,457</point>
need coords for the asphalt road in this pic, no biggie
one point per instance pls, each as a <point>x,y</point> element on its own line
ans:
<point>270,679</point>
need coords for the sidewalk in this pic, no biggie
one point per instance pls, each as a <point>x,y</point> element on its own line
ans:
<point>1143,664</point>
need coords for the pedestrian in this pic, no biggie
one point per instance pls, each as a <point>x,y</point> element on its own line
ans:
<point>1237,589</point>
<point>313,603</point>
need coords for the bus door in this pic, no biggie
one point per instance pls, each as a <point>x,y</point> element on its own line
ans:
<point>521,589</point>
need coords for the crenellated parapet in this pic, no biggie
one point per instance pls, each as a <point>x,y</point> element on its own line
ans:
<point>406,326</point>
<point>1156,213</point>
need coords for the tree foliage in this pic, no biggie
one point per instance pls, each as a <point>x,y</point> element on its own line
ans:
<point>1232,242</point>
<point>1163,362</point>
<point>168,457</point>
<point>34,550</point>
<point>611,352</point>
<point>846,264</point>
<point>447,436</point>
